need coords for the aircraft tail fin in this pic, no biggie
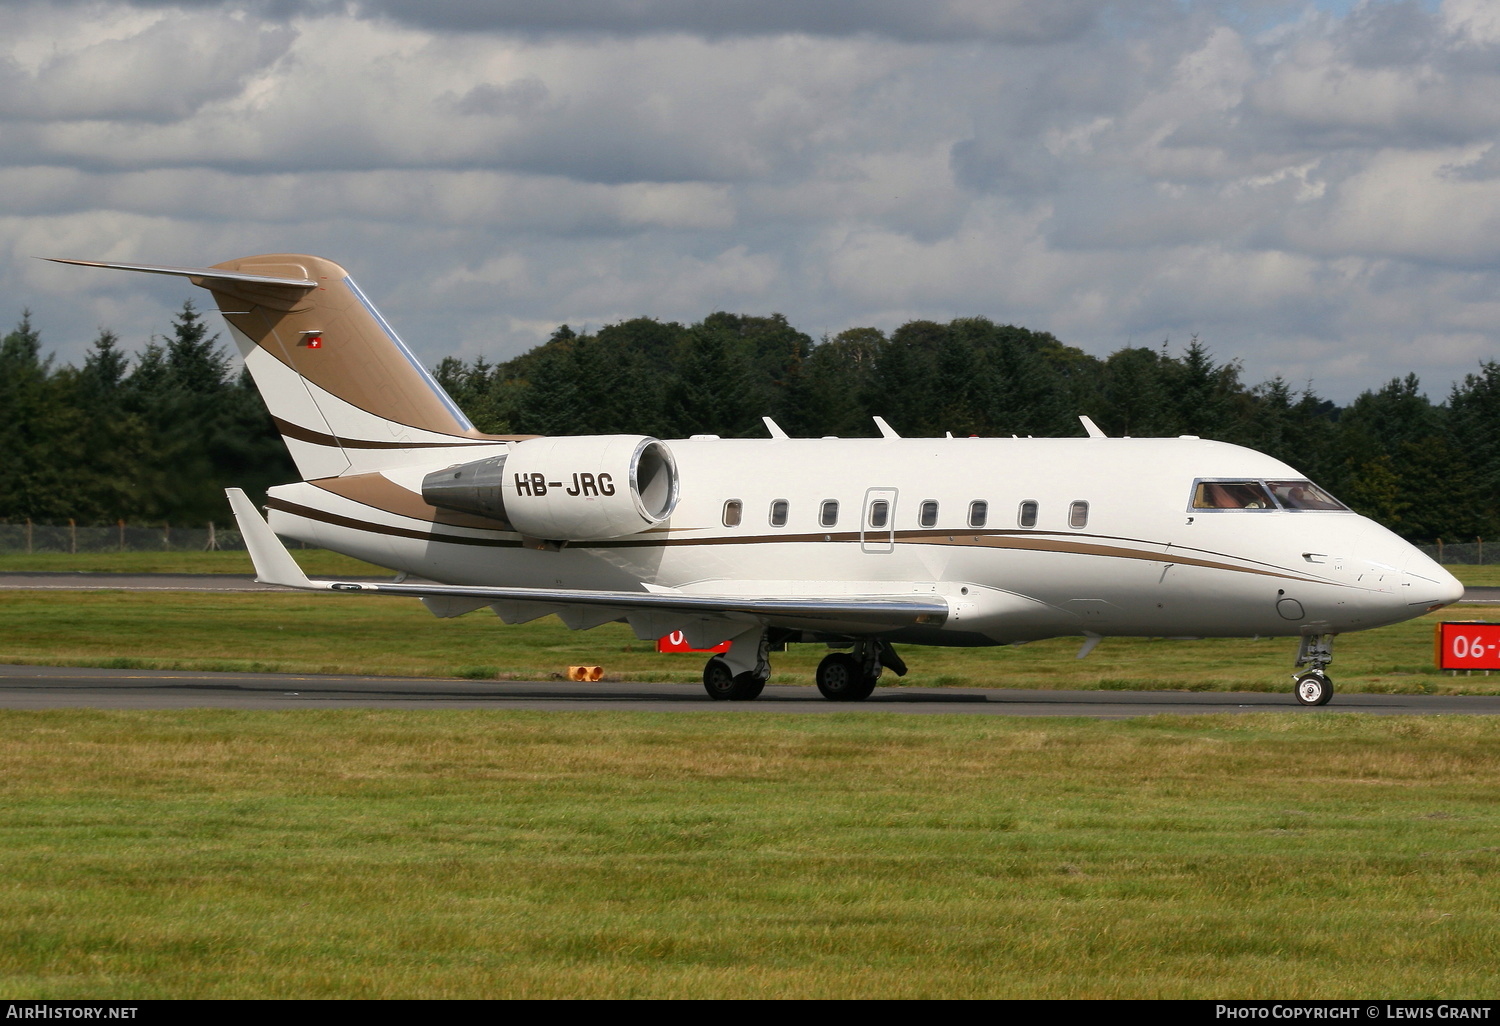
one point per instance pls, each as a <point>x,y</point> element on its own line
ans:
<point>347,395</point>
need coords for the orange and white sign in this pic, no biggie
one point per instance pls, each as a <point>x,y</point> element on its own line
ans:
<point>1468,646</point>
<point>677,642</point>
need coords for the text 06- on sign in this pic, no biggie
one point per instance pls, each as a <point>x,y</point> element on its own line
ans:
<point>1468,646</point>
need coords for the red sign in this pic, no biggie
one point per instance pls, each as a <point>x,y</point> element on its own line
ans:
<point>1468,646</point>
<point>677,642</point>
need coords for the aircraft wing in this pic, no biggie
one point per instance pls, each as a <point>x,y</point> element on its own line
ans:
<point>274,565</point>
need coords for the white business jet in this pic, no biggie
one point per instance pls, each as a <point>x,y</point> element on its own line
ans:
<point>856,543</point>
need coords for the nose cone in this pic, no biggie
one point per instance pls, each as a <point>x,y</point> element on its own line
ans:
<point>1431,587</point>
<point>1427,586</point>
<point>1424,586</point>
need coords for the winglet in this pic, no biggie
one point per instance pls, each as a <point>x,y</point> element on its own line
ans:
<point>886,431</point>
<point>1091,427</point>
<point>273,563</point>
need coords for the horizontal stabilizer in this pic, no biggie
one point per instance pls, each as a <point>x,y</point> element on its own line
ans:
<point>206,273</point>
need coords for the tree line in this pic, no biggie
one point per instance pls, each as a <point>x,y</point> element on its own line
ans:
<point>158,435</point>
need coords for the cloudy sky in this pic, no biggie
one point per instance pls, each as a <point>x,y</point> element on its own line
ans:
<point>1311,187</point>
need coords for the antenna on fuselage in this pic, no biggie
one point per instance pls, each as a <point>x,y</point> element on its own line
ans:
<point>774,428</point>
<point>886,431</point>
<point>1091,427</point>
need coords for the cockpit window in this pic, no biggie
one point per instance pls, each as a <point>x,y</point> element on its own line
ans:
<point>1232,495</point>
<point>1287,495</point>
<point>1303,495</point>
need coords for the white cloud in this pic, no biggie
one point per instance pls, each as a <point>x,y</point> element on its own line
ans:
<point>1319,198</point>
<point>134,67</point>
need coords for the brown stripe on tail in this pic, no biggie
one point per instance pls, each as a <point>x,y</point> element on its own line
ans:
<point>357,356</point>
<point>346,393</point>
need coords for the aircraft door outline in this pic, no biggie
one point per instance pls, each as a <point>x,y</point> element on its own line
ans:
<point>872,538</point>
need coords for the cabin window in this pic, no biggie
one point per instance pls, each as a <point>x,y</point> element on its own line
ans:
<point>979,513</point>
<point>1026,516</point>
<point>1232,495</point>
<point>880,513</point>
<point>734,510</point>
<point>927,514</point>
<point>828,516</point>
<point>1078,514</point>
<point>1302,495</point>
<point>778,513</point>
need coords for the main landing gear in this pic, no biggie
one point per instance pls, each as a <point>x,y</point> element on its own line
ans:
<point>842,676</point>
<point>1314,686</point>
<point>723,684</point>
<point>741,673</point>
<point>851,676</point>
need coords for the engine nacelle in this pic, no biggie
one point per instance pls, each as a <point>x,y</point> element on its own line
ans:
<point>565,488</point>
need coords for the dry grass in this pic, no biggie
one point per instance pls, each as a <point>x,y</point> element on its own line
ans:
<point>456,854</point>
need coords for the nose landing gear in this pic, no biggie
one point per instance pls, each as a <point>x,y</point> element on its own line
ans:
<point>1314,686</point>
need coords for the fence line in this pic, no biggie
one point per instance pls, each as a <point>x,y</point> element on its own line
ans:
<point>1471,553</point>
<point>30,537</point>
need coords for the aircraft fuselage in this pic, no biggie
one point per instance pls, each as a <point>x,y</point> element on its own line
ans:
<point>1075,536</point>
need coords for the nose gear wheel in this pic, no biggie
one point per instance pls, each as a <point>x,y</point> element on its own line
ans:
<point>1314,688</point>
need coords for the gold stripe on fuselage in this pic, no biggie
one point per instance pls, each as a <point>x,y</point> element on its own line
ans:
<point>379,493</point>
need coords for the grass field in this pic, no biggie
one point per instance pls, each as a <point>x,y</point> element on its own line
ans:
<point>1486,576</point>
<point>449,854</point>
<point>362,634</point>
<point>468,854</point>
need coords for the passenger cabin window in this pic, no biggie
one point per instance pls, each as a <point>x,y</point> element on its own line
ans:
<point>734,510</point>
<point>828,516</point>
<point>778,513</point>
<point>880,513</point>
<point>1078,514</point>
<point>979,513</point>
<point>1026,516</point>
<point>1303,495</point>
<point>1232,495</point>
<point>927,514</point>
